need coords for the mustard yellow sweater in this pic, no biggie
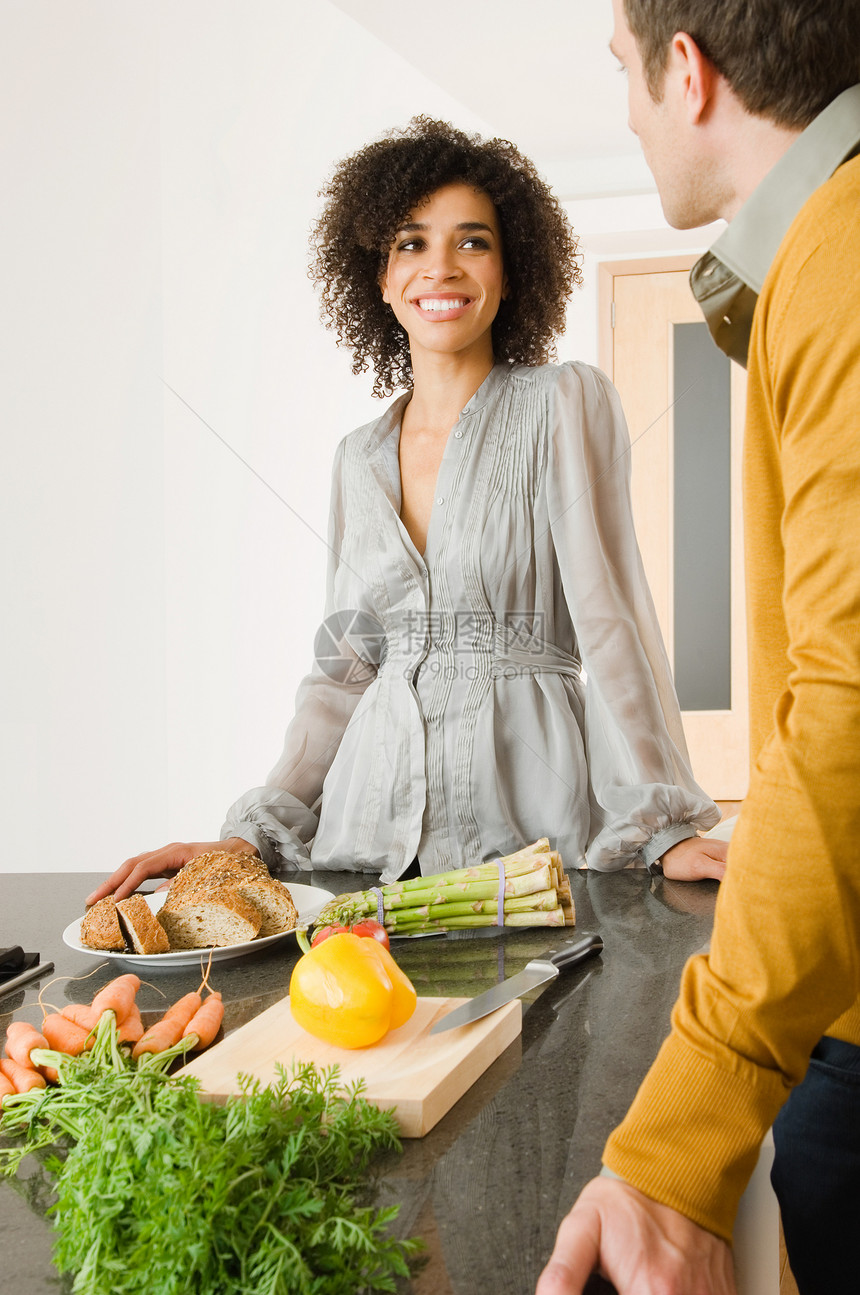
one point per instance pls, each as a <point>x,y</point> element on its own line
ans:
<point>784,966</point>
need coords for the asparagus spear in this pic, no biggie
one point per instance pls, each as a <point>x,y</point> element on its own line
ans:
<point>536,892</point>
<point>555,917</point>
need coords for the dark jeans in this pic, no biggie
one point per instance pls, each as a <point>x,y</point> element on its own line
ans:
<point>816,1172</point>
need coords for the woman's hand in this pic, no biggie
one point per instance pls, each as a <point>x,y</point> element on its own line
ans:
<point>161,863</point>
<point>695,859</point>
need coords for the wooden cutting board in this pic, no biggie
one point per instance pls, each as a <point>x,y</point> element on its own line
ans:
<point>416,1076</point>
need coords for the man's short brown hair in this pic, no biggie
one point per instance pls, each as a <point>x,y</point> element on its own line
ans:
<point>784,59</point>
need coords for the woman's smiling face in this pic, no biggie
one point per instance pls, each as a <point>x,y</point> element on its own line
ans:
<point>445,275</point>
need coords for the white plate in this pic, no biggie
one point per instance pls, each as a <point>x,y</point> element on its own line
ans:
<point>307,899</point>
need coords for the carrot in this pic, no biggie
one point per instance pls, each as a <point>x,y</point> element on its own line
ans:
<point>82,1015</point>
<point>158,1038</point>
<point>63,1035</point>
<point>117,996</point>
<point>22,1078</point>
<point>131,1029</point>
<point>206,1022</point>
<point>164,1033</point>
<point>183,1009</point>
<point>21,1038</point>
<point>7,1088</point>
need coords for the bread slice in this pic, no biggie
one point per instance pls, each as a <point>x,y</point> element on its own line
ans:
<point>209,918</point>
<point>274,901</point>
<point>145,934</point>
<point>100,928</point>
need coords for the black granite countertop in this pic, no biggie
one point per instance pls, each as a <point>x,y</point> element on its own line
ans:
<point>488,1186</point>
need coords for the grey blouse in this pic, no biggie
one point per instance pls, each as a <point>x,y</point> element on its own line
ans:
<point>510,683</point>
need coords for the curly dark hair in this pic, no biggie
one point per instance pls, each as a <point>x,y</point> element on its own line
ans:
<point>368,198</point>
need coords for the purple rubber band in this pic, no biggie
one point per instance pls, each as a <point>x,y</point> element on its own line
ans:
<point>380,907</point>
<point>500,912</point>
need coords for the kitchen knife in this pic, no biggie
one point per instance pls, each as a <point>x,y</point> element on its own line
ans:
<point>535,973</point>
<point>33,973</point>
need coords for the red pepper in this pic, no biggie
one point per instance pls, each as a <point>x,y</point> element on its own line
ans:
<point>371,930</point>
<point>336,928</point>
<point>368,929</point>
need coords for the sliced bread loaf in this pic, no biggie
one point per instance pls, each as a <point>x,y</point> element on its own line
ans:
<point>247,875</point>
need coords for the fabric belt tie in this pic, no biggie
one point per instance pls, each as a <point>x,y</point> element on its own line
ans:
<point>380,907</point>
<point>513,655</point>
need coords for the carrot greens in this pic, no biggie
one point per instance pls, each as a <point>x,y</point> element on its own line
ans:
<point>158,1191</point>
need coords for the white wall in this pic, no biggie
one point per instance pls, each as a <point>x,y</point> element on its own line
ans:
<point>617,228</point>
<point>161,164</point>
<point>82,667</point>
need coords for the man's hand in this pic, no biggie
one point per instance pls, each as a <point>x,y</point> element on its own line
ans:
<point>643,1247</point>
<point>161,863</point>
<point>695,859</point>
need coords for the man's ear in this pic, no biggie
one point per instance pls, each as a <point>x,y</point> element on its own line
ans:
<point>695,74</point>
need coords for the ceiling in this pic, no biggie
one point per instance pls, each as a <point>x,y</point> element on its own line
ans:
<point>539,72</point>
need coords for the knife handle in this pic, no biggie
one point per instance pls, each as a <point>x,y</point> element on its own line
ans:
<point>587,946</point>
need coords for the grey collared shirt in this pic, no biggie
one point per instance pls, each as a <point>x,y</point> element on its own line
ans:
<point>510,682</point>
<point>726,281</point>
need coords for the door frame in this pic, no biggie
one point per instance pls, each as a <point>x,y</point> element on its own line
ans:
<point>606,273</point>
<point>695,722</point>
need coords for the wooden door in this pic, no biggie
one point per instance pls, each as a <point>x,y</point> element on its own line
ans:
<point>684,404</point>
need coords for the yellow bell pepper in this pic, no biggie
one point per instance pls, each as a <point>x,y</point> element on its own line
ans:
<point>348,990</point>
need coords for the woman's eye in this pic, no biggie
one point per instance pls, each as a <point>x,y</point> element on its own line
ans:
<point>418,244</point>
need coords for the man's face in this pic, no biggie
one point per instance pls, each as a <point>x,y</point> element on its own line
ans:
<point>662,129</point>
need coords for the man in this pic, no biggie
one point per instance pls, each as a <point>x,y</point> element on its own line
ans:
<point>749,110</point>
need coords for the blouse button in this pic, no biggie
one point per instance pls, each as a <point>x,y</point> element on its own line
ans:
<point>457,436</point>
<point>441,499</point>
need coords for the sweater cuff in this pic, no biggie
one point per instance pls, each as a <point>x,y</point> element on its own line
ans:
<point>692,1136</point>
<point>664,840</point>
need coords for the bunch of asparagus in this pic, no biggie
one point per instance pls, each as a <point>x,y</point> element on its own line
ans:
<point>536,893</point>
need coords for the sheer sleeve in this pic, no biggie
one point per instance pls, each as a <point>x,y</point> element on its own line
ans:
<point>281,818</point>
<point>643,795</point>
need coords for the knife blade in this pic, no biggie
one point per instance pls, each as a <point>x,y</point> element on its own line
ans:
<point>535,973</point>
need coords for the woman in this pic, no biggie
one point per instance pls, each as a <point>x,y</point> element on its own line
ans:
<point>490,668</point>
